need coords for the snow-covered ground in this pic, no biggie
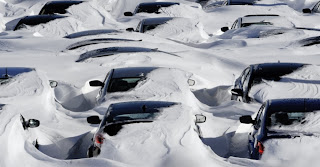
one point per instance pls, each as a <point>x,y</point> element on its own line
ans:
<point>195,45</point>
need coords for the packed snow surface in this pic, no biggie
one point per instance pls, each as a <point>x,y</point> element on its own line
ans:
<point>191,46</point>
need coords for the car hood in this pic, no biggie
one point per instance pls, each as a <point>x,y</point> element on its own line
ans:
<point>293,151</point>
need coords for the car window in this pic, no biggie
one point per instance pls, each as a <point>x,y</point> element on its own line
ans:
<point>316,8</point>
<point>258,119</point>
<point>234,24</point>
<point>104,88</point>
<point>244,74</point>
<point>281,119</point>
<point>245,83</point>
<point>255,23</point>
<point>149,27</point>
<point>138,27</point>
<point>123,84</point>
<point>225,2</point>
<point>134,116</point>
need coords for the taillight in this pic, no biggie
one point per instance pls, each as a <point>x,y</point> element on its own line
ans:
<point>99,139</point>
<point>260,148</point>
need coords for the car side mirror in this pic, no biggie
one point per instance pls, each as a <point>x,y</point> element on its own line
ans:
<point>128,13</point>
<point>96,83</point>
<point>236,92</point>
<point>306,10</point>
<point>31,123</point>
<point>200,118</point>
<point>246,119</point>
<point>93,119</point>
<point>224,29</point>
<point>130,29</point>
<point>53,84</point>
<point>191,82</point>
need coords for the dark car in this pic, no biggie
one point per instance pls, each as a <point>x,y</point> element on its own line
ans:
<point>315,9</point>
<point>90,33</point>
<point>98,41</point>
<point>248,20</point>
<point>275,119</point>
<point>150,24</point>
<point>36,20</point>
<point>8,72</point>
<point>150,7</point>
<point>255,73</point>
<point>122,80</point>
<point>120,114</point>
<point>238,2</point>
<point>57,7</point>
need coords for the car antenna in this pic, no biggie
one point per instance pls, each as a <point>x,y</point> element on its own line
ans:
<point>144,108</point>
<point>6,76</point>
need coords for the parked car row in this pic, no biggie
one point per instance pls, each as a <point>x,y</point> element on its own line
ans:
<point>273,114</point>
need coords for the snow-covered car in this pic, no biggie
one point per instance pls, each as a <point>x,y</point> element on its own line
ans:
<point>98,41</point>
<point>103,52</point>
<point>150,7</point>
<point>238,2</point>
<point>150,24</point>
<point>309,41</point>
<point>122,80</point>
<point>90,33</point>
<point>315,9</point>
<point>36,20</point>
<point>281,119</point>
<point>123,115</point>
<point>256,73</point>
<point>57,7</point>
<point>259,19</point>
<point>8,72</point>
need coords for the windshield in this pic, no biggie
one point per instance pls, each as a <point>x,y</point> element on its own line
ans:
<point>255,23</point>
<point>123,84</point>
<point>149,27</point>
<point>134,116</point>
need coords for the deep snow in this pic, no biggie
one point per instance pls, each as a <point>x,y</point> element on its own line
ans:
<point>198,48</point>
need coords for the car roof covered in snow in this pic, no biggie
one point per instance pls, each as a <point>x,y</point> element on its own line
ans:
<point>37,19</point>
<point>60,7</point>
<point>293,105</point>
<point>277,69</point>
<point>13,71</point>
<point>259,18</point>
<point>138,107</point>
<point>158,20</point>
